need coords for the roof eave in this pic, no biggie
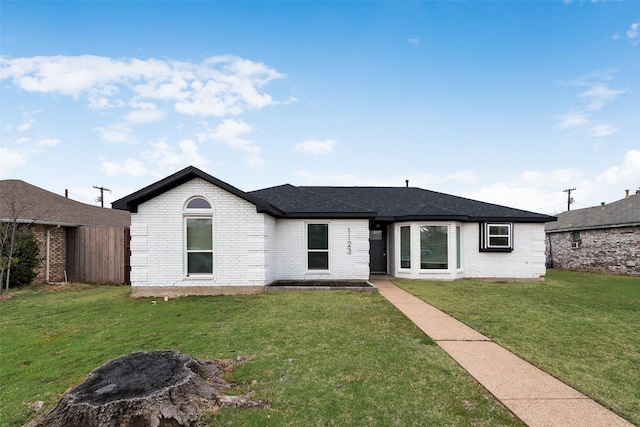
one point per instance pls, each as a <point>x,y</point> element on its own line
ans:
<point>329,215</point>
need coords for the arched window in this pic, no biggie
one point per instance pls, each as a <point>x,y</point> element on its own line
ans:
<point>198,203</point>
<point>198,225</point>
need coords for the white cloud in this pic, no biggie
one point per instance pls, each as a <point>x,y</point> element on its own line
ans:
<point>601,130</point>
<point>316,147</point>
<point>464,177</point>
<point>130,167</point>
<point>11,160</point>
<point>23,140</point>
<point>25,125</point>
<point>218,86</point>
<point>49,142</point>
<point>598,95</point>
<point>413,41</point>
<point>551,180</point>
<point>145,112</point>
<point>633,31</point>
<point>231,133</point>
<point>626,174</point>
<point>571,120</point>
<point>117,133</point>
<point>168,159</point>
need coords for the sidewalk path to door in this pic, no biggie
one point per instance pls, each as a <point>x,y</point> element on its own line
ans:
<point>534,396</point>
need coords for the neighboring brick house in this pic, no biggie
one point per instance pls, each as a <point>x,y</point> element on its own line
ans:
<point>194,234</point>
<point>604,239</point>
<point>70,233</point>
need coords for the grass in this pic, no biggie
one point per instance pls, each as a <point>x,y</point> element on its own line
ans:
<point>583,328</point>
<point>320,358</point>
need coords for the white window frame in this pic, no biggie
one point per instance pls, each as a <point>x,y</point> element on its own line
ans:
<point>448,262</point>
<point>400,227</point>
<point>486,237</point>
<point>199,213</point>
<point>308,250</point>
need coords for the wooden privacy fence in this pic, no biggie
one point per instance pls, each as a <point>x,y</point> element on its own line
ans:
<point>98,254</point>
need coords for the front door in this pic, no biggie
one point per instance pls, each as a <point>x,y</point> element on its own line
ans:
<point>378,248</point>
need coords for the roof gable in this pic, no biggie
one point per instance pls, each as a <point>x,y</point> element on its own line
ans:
<point>35,205</point>
<point>131,202</point>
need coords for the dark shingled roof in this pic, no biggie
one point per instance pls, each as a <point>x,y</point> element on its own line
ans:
<point>381,203</point>
<point>33,204</point>
<point>389,204</point>
<point>132,201</point>
<point>625,212</point>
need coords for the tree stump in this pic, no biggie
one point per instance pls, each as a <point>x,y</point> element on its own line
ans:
<point>163,388</point>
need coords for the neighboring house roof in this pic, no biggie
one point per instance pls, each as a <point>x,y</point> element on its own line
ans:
<point>622,213</point>
<point>381,203</point>
<point>30,204</point>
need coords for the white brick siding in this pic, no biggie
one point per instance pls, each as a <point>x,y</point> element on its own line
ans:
<point>292,250</point>
<point>252,249</point>
<point>249,248</point>
<point>240,250</point>
<point>526,261</point>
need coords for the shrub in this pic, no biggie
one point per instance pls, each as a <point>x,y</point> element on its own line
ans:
<point>25,259</point>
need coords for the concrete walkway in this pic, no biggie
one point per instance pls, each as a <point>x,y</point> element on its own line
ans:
<point>534,396</point>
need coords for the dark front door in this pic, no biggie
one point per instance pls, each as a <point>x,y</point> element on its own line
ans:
<point>378,248</point>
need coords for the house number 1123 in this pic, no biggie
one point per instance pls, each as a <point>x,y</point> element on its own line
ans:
<point>348,241</point>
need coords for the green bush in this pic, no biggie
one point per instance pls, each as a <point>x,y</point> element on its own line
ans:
<point>25,259</point>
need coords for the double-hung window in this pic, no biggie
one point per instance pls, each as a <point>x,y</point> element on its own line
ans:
<point>496,237</point>
<point>198,237</point>
<point>318,246</point>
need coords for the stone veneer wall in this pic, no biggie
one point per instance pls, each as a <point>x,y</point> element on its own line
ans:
<point>608,250</point>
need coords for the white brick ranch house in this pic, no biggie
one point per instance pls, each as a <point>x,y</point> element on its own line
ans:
<point>192,234</point>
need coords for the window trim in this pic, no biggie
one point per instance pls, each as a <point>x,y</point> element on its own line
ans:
<point>409,247</point>
<point>309,250</point>
<point>197,213</point>
<point>448,263</point>
<point>485,236</point>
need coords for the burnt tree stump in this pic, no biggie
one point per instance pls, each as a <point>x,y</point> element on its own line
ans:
<point>164,388</point>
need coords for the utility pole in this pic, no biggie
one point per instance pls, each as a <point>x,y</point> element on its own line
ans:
<point>101,198</point>
<point>569,199</point>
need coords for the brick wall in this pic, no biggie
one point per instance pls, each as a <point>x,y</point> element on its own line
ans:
<point>57,252</point>
<point>610,250</point>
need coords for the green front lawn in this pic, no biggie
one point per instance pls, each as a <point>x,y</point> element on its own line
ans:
<point>319,358</point>
<point>582,328</point>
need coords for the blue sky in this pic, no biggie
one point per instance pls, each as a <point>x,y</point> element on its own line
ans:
<point>505,102</point>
